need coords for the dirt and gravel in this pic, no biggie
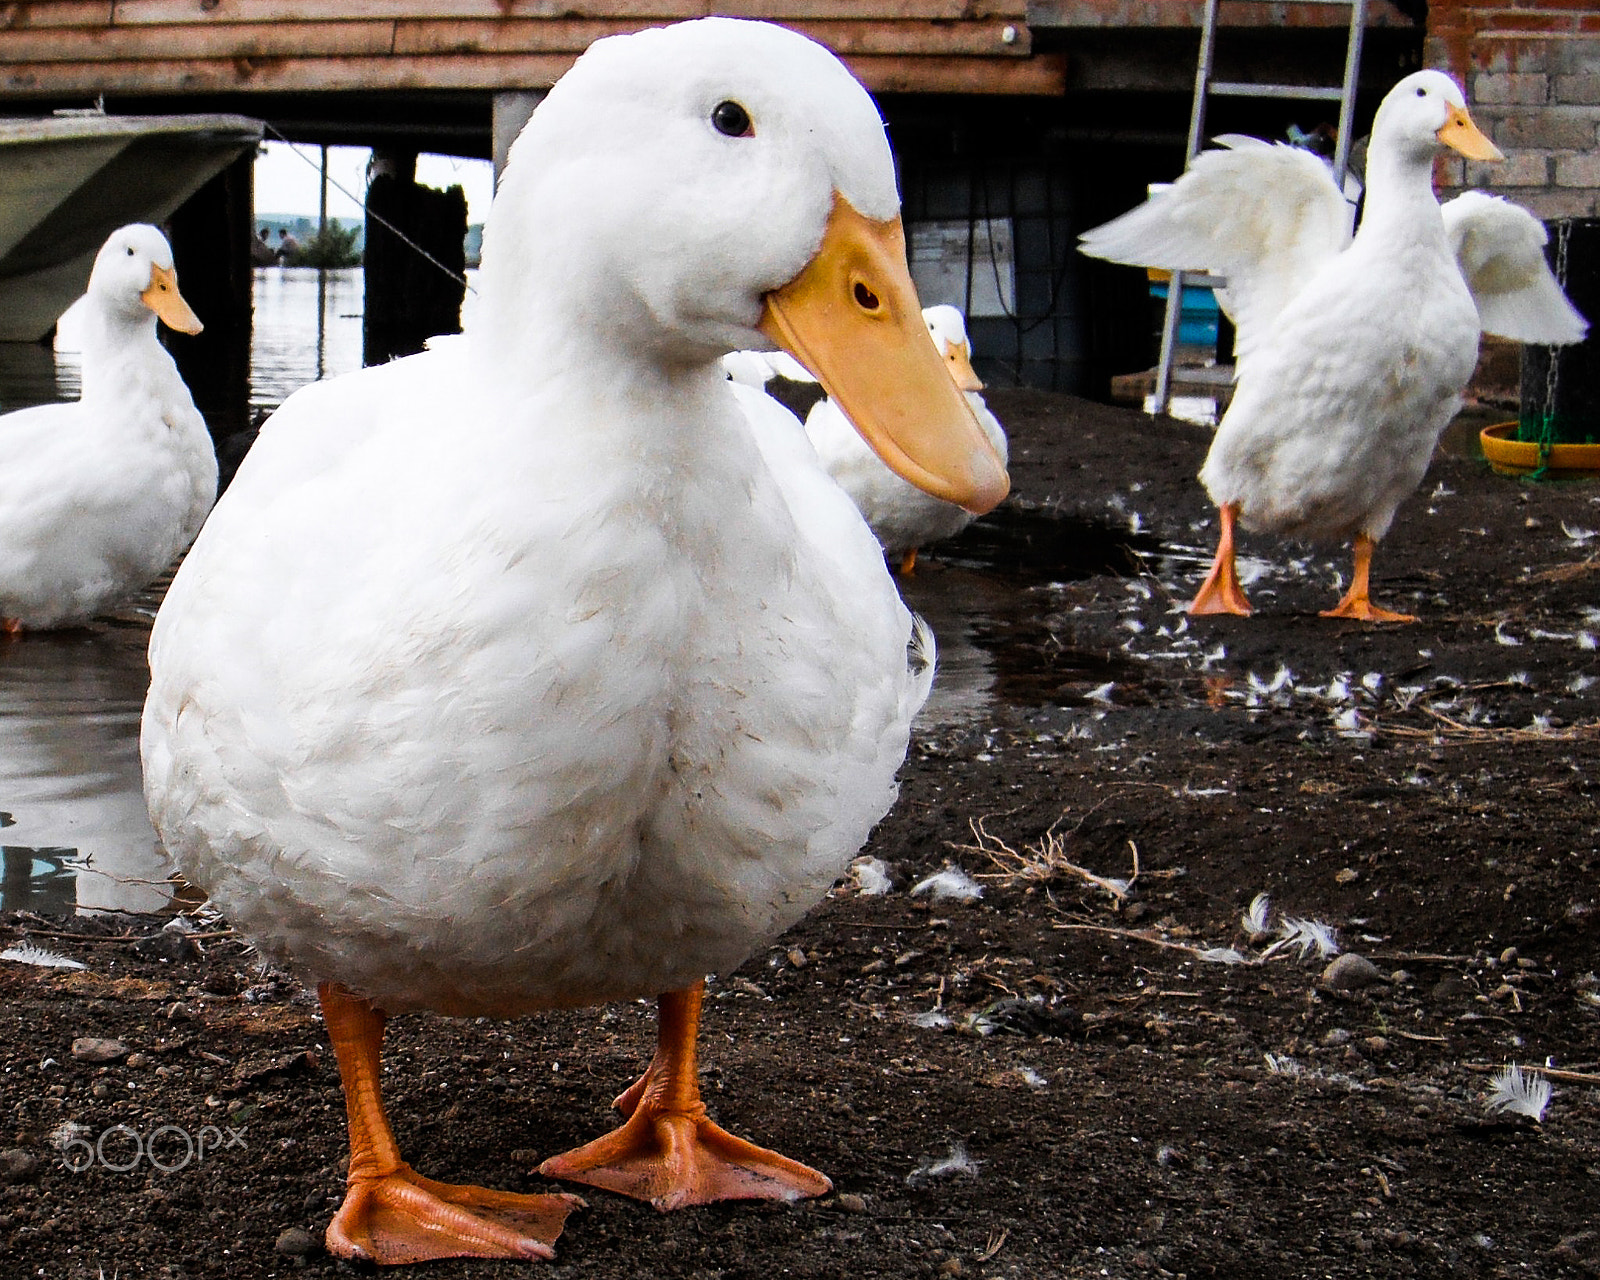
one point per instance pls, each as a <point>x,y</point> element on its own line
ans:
<point>1096,1068</point>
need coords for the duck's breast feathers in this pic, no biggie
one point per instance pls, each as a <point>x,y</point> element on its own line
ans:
<point>589,753</point>
<point>1268,217</point>
<point>1501,249</point>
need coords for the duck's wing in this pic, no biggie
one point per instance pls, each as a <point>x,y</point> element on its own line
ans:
<point>1266,216</point>
<point>1500,247</point>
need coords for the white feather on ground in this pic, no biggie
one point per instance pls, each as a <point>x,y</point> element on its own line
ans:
<point>1523,1095</point>
<point>950,885</point>
<point>28,953</point>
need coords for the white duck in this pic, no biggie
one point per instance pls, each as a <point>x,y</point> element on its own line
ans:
<point>101,494</point>
<point>757,368</point>
<point>903,517</point>
<point>523,673</point>
<point>1352,352</point>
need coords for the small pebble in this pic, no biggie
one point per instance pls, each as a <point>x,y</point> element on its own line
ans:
<point>1508,956</point>
<point>1350,972</point>
<point>1336,1037</point>
<point>1376,1044</point>
<point>94,1049</point>
<point>798,958</point>
<point>17,1165</point>
<point>1452,987</point>
<point>850,1202</point>
<point>294,1242</point>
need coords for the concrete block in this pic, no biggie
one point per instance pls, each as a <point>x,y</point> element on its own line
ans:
<point>1525,169</point>
<point>1578,171</point>
<point>1518,88</point>
<point>1549,205</point>
<point>1561,128</point>
<point>1575,57</point>
<point>1581,90</point>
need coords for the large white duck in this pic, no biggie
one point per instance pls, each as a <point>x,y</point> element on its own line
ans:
<point>524,673</point>
<point>1352,352</point>
<point>903,517</point>
<point>99,495</point>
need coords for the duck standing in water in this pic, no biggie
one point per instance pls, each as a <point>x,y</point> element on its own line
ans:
<point>98,496</point>
<point>523,673</point>
<point>1352,353</point>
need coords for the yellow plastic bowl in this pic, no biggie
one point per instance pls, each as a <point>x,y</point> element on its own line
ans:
<point>1521,457</point>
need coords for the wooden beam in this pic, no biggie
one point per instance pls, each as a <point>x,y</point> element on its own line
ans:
<point>881,74</point>
<point>1041,75</point>
<point>1137,14</point>
<point>242,40</point>
<point>973,39</point>
<point>188,12</point>
<point>56,13</point>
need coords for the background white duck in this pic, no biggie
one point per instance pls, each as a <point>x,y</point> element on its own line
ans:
<point>903,517</point>
<point>101,494</point>
<point>1352,353</point>
<point>523,673</point>
<point>757,368</point>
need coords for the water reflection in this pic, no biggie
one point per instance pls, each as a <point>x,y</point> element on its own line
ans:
<point>76,836</point>
<point>983,594</point>
<point>307,327</point>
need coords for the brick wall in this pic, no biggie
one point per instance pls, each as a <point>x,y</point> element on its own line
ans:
<point>1532,76</point>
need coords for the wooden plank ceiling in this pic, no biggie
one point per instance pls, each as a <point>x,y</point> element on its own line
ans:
<point>64,48</point>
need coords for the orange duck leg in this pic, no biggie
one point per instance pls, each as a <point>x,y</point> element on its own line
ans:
<point>1356,602</point>
<point>1221,592</point>
<point>392,1214</point>
<point>668,1151</point>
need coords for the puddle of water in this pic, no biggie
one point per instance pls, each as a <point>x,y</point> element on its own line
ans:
<point>985,594</point>
<point>75,837</point>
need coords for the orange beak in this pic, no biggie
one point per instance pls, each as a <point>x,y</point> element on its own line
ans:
<point>162,297</point>
<point>851,316</point>
<point>1460,134</point>
<point>958,359</point>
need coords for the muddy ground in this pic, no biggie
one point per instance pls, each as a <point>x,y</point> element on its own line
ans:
<point>1136,1109</point>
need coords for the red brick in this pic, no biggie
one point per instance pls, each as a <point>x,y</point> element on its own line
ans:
<point>1530,23</point>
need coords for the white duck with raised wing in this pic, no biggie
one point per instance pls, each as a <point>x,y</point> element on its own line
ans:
<point>524,673</point>
<point>901,516</point>
<point>1352,352</point>
<point>98,496</point>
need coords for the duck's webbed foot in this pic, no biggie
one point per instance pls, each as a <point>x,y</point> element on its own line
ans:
<point>1357,603</point>
<point>401,1217</point>
<point>669,1151</point>
<point>1221,592</point>
<point>391,1214</point>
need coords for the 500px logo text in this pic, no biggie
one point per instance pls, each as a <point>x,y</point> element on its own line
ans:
<point>122,1148</point>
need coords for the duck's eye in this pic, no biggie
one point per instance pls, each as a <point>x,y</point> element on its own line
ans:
<point>733,120</point>
<point>865,298</point>
<point>1421,92</point>
<point>130,251</point>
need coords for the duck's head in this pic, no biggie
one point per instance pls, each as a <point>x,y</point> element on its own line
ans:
<point>133,276</point>
<point>948,330</point>
<point>722,185</point>
<point>1426,111</point>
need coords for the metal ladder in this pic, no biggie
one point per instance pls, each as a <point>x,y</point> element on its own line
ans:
<point>1204,88</point>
